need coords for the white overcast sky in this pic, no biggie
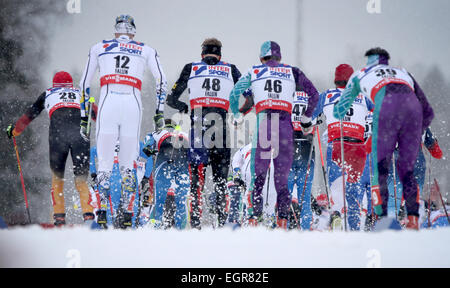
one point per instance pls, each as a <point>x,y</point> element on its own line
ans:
<point>317,35</point>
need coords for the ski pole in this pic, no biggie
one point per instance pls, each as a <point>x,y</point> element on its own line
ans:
<point>343,173</point>
<point>323,167</point>
<point>394,175</point>
<point>442,200</point>
<point>21,179</point>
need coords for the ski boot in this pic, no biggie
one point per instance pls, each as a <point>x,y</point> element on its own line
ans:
<point>282,223</point>
<point>101,219</point>
<point>336,221</point>
<point>413,222</point>
<point>60,219</point>
<point>369,222</point>
<point>126,220</point>
<point>255,220</point>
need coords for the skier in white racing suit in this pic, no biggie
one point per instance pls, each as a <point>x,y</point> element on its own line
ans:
<point>121,63</point>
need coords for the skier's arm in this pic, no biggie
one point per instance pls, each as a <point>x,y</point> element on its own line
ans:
<point>32,112</point>
<point>432,144</point>
<point>85,83</point>
<point>235,73</point>
<point>348,96</point>
<point>240,87</point>
<point>161,82</point>
<point>304,84</point>
<point>149,158</point>
<point>319,107</point>
<point>178,89</point>
<point>427,111</point>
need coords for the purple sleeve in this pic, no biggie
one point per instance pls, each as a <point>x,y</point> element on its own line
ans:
<point>427,111</point>
<point>303,84</point>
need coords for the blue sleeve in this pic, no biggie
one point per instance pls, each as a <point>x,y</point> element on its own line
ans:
<point>93,156</point>
<point>319,107</point>
<point>370,105</point>
<point>241,86</point>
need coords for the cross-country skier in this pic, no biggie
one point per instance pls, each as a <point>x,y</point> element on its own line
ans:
<point>401,115</point>
<point>121,62</point>
<point>353,127</point>
<point>298,176</point>
<point>62,102</point>
<point>273,85</point>
<point>171,175</point>
<point>209,83</point>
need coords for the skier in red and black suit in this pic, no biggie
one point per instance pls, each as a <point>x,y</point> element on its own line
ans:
<point>62,103</point>
<point>209,83</point>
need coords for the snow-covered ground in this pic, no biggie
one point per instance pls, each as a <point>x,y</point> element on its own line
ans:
<point>245,248</point>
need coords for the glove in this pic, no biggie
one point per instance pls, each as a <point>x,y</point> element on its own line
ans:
<point>83,129</point>
<point>184,109</point>
<point>159,120</point>
<point>148,151</point>
<point>9,131</point>
<point>94,177</point>
<point>307,126</point>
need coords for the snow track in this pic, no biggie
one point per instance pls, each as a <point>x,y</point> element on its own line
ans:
<point>250,247</point>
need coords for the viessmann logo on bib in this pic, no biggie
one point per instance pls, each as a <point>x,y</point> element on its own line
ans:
<point>121,79</point>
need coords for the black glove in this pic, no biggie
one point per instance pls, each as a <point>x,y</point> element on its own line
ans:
<point>184,109</point>
<point>239,182</point>
<point>94,177</point>
<point>148,151</point>
<point>9,131</point>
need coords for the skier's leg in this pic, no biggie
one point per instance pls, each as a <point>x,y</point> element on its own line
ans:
<point>107,132</point>
<point>59,150</point>
<point>260,162</point>
<point>408,149</point>
<point>161,186</point>
<point>197,175</point>
<point>80,159</point>
<point>305,200</point>
<point>282,163</point>
<point>292,180</point>
<point>130,127</point>
<point>352,195</point>
<point>182,180</point>
<point>220,163</point>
